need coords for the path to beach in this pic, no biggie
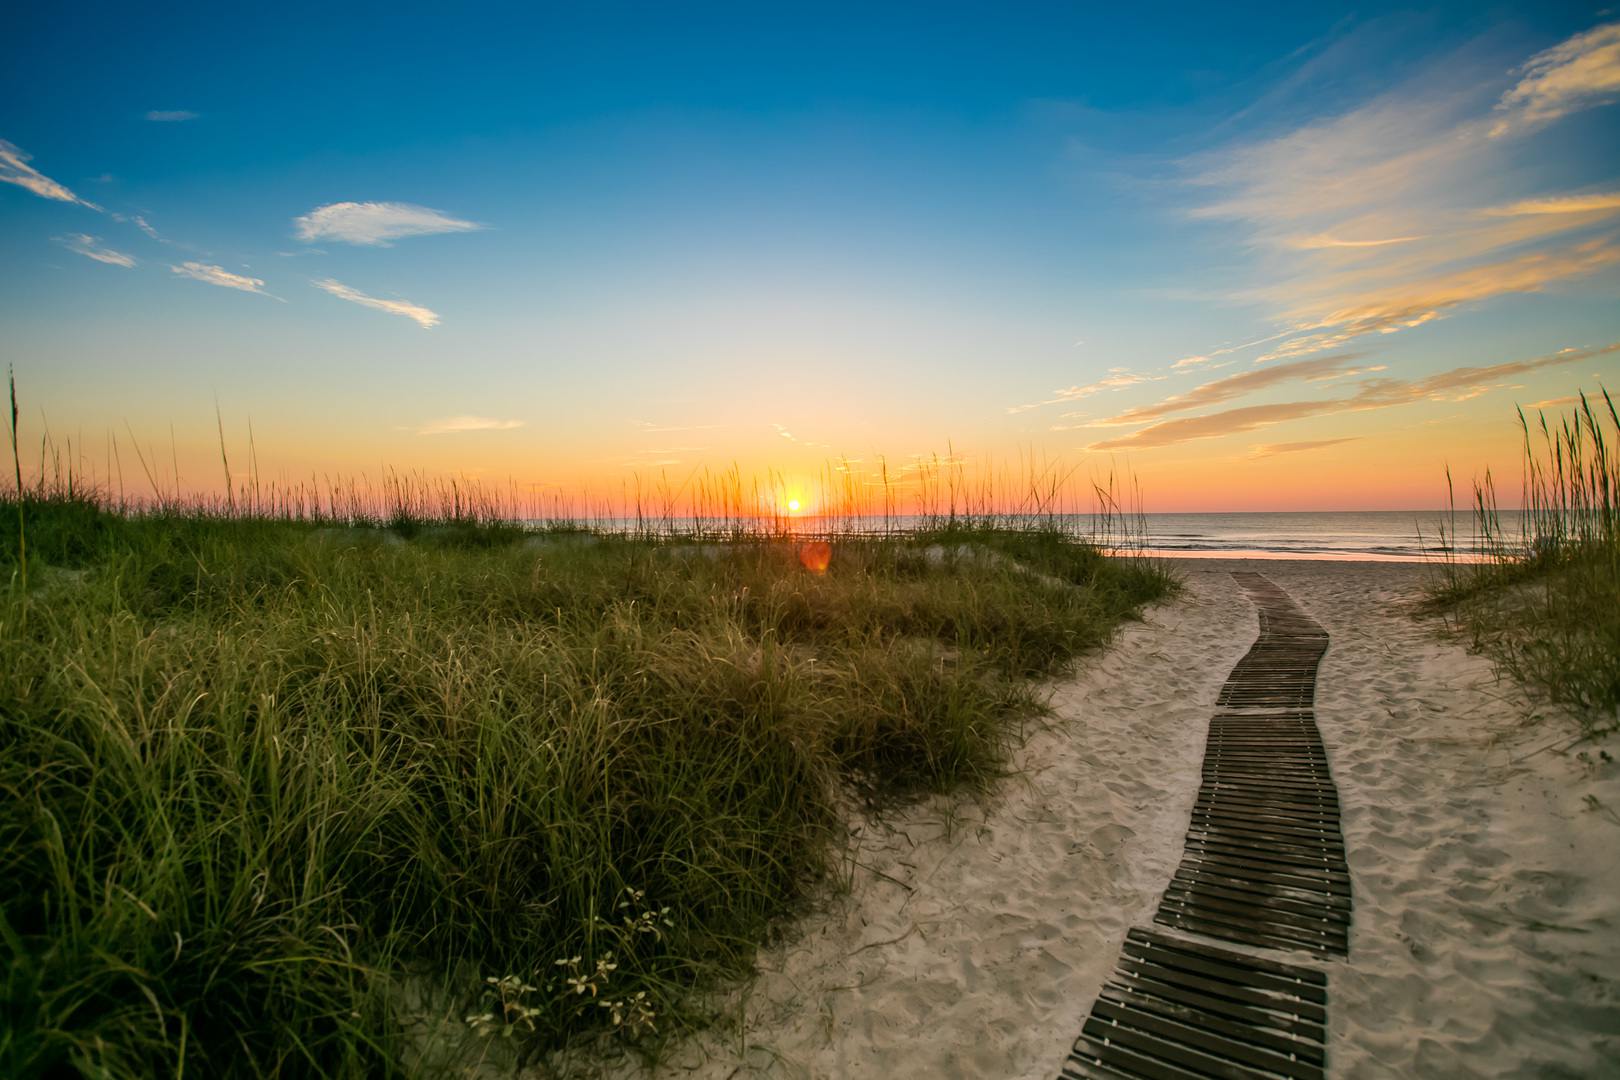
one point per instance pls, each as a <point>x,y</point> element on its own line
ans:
<point>1263,867</point>
<point>976,938</point>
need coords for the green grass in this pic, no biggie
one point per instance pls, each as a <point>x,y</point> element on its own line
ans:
<point>260,778</point>
<point>1544,602</point>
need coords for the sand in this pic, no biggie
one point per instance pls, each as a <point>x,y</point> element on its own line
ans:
<point>975,935</point>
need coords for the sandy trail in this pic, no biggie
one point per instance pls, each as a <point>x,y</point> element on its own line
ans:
<point>1486,939</point>
<point>1486,865</point>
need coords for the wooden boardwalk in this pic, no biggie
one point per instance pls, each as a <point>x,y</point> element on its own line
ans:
<point>1263,867</point>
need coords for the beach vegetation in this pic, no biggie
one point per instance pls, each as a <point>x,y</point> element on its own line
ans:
<point>320,787</point>
<point>1540,591</point>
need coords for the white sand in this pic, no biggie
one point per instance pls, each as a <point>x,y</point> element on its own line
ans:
<point>974,938</point>
<point>1487,888</point>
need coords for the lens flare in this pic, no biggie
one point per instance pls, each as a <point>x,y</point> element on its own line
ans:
<point>815,555</point>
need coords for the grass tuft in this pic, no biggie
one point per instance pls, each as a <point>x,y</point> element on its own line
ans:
<point>262,774</point>
<point>1545,603</point>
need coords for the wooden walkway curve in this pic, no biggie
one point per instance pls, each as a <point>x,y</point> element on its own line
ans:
<point>1263,867</point>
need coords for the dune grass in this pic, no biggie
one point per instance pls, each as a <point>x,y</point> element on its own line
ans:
<point>1544,601</point>
<point>261,777</point>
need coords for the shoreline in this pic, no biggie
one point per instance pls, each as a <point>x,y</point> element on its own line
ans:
<point>1262,555</point>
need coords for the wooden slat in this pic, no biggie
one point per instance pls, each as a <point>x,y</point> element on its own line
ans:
<point>1108,1018</point>
<point>1263,865</point>
<point>1209,875</point>
<point>1275,1040</point>
<point>1223,963</point>
<point>1176,1009</point>
<point>1269,901</point>
<point>1260,935</point>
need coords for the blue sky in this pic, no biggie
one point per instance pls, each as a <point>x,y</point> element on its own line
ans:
<point>567,246</point>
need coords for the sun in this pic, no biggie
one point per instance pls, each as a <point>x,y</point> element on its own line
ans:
<point>793,506</point>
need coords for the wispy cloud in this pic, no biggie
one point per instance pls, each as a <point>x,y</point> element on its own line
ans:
<point>141,224</point>
<point>1229,422</point>
<point>422,316</point>
<point>1457,384</point>
<point>218,275</point>
<point>376,223</point>
<point>1406,305</point>
<point>87,245</point>
<point>170,116</point>
<point>1273,449</point>
<point>792,438</point>
<point>1392,215</point>
<point>14,169</point>
<point>1116,379</point>
<point>1591,203</point>
<point>457,425</point>
<point>649,426</point>
<point>1574,74</point>
<point>1323,240</point>
<point>1225,350</point>
<point>1235,386</point>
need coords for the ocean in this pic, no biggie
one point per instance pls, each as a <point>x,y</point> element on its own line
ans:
<point>1358,535</point>
<point>1368,535</point>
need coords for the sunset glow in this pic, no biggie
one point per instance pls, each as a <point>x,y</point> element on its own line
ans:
<point>1304,264</point>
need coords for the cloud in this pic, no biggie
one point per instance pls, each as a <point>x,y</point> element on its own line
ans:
<point>376,223</point>
<point>14,169</point>
<point>1371,221</point>
<point>790,437</point>
<point>1225,350</point>
<point>649,426</point>
<point>423,317</point>
<point>1457,384</point>
<point>85,244</point>
<point>1574,74</point>
<point>1412,304</point>
<point>1595,202</point>
<point>140,223</point>
<point>1273,449</point>
<point>171,116</point>
<point>1554,403</point>
<point>1230,422</point>
<point>1236,386</point>
<point>1333,171</point>
<point>1323,240</point>
<point>1117,379</point>
<point>456,425</point>
<point>1462,383</point>
<point>218,275</point>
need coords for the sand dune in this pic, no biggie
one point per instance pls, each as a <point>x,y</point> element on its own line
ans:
<point>974,937</point>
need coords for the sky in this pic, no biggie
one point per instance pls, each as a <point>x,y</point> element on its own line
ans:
<point>1279,257</point>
